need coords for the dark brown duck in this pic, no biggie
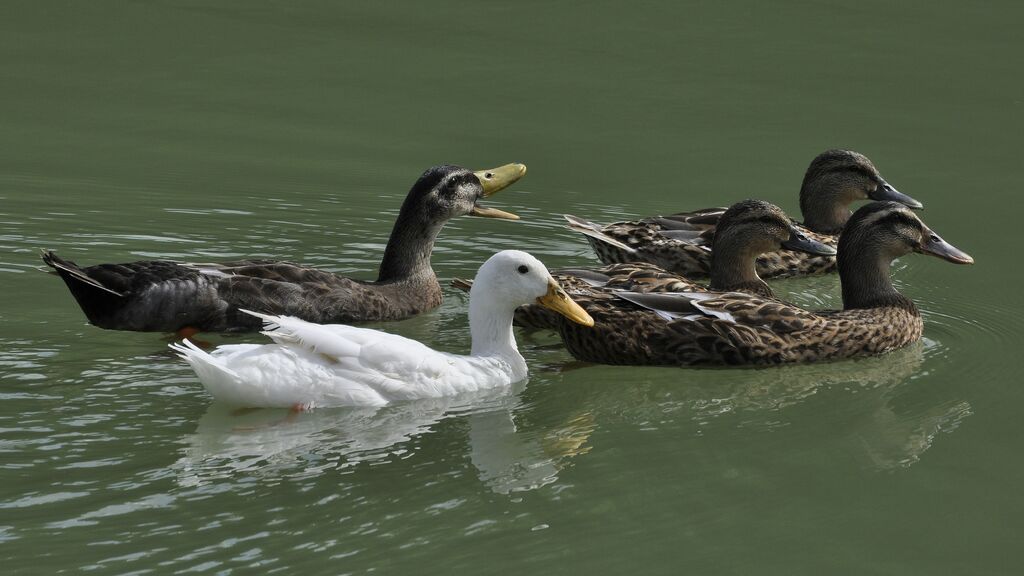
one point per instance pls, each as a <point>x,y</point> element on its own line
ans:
<point>163,296</point>
<point>734,328</point>
<point>746,230</point>
<point>681,242</point>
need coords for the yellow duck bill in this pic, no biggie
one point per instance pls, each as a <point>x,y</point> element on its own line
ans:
<point>556,299</point>
<point>495,180</point>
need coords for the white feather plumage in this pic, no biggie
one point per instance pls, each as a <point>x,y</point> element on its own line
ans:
<point>337,365</point>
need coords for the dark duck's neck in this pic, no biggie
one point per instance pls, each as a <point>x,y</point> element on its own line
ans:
<point>864,272</point>
<point>825,202</point>
<point>733,266</point>
<point>407,256</point>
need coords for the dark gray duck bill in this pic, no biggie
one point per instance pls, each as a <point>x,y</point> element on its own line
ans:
<point>933,244</point>
<point>801,243</point>
<point>885,191</point>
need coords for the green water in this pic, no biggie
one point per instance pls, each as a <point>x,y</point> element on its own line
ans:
<point>205,130</point>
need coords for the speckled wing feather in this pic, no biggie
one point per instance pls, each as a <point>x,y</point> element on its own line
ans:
<point>734,329</point>
<point>589,286</point>
<point>682,243</point>
<point>689,255</point>
<point>754,311</point>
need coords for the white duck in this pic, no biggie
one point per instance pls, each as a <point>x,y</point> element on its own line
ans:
<point>337,365</point>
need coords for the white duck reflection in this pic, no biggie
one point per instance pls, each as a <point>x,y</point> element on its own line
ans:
<point>229,442</point>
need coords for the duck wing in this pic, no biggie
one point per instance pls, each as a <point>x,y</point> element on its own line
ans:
<point>308,293</point>
<point>672,244</point>
<point>730,328</point>
<point>164,296</point>
<point>395,367</point>
<point>703,219</point>
<point>682,243</point>
<point>596,287</point>
<point>696,227</point>
<point>735,308</point>
<point>153,295</point>
<point>646,277</point>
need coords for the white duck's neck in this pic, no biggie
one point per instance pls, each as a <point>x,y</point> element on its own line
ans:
<point>490,325</point>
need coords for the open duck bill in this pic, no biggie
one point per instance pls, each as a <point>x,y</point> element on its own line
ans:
<point>885,191</point>
<point>933,244</point>
<point>801,243</point>
<point>556,299</point>
<point>494,180</point>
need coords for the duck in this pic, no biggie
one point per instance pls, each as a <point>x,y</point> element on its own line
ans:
<point>748,329</point>
<point>186,299</point>
<point>681,242</point>
<point>745,230</point>
<point>315,365</point>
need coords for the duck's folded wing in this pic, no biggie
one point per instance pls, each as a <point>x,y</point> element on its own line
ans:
<point>703,219</point>
<point>587,276</point>
<point>596,231</point>
<point>696,228</point>
<point>733,307</point>
<point>390,363</point>
<point>646,277</point>
<point>335,341</point>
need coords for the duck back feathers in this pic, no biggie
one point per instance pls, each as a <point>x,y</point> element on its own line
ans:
<point>162,296</point>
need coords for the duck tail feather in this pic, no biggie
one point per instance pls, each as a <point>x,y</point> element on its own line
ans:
<point>594,231</point>
<point>292,330</point>
<point>271,322</point>
<point>282,337</point>
<point>71,272</point>
<point>199,359</point>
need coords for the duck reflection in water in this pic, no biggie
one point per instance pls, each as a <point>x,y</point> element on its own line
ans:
<point>229,442</point>
<point>884,422</point>
<point>888,421</point>
<point>879,414</point>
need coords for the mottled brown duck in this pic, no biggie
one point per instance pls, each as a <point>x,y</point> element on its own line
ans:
<point>746,230</point>
<point>164,296</point>
<point>735,328</point>
<point>681,242</point>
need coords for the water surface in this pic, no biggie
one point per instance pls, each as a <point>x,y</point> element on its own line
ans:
<point>293,130</point>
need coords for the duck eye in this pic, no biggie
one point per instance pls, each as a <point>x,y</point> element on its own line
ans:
<point>523,269</point>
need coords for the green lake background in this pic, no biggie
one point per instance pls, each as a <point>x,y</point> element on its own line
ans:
<point>201,130</point>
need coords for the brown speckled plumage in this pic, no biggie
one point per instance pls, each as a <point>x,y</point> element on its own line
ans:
<point>766,332</point>
<point>162,296</point>
<point>681,242</point>
<point>587,285</point>
<point>742,329</point>
<point>637,277</point>
<point>747,229</point>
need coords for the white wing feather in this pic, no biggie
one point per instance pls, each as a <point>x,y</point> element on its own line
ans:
<point>336,365</point>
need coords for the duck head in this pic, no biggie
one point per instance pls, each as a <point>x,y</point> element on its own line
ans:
<point>893,230</point>
<point>877,234</point>
<point>440,194</point>
<point>745,231</point>
<point>762,227</point>
<point>507,280</point>
<point>515,278</point>
<point>837,178</point>
<point>446,191</point>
